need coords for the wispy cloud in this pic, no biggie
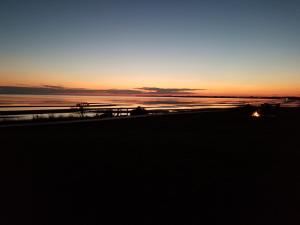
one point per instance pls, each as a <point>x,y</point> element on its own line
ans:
<point>163,91</point>
<point>55,90</point>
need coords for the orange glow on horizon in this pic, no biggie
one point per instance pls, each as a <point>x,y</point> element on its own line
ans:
<point>210,88</point>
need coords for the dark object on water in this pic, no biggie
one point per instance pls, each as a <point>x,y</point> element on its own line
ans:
<point>138,111</point>
<point>108,114</point>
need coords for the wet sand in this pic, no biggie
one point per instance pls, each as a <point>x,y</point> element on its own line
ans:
<point>197,168</point>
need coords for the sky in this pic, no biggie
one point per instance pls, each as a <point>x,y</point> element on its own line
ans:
<point>211,47</point>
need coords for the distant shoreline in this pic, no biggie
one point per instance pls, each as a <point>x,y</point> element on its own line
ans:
<point>161,96</point>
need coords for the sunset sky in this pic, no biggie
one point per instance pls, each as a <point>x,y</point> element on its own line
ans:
<point>203,47</point>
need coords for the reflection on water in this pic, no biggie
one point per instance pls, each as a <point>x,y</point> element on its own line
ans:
<point>45,102</point>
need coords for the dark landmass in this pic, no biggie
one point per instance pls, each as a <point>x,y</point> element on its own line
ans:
<point>196,168</point>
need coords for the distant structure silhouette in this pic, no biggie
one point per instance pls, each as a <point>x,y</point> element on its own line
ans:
<point>82,107</point>
<point>138,111</point>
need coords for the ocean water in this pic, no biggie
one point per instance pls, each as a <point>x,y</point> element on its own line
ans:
<point>46,102</point>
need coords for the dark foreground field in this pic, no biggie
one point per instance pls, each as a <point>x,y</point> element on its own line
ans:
<point>209,168</point>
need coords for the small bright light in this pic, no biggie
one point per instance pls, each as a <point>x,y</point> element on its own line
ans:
<point>256,114</point>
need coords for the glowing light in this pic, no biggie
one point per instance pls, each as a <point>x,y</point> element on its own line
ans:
<point>255,114</point>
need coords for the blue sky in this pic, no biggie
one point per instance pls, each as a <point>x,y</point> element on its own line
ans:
<point>220,46</point>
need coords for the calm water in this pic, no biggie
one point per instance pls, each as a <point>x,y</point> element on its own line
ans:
<point>35,102</point>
